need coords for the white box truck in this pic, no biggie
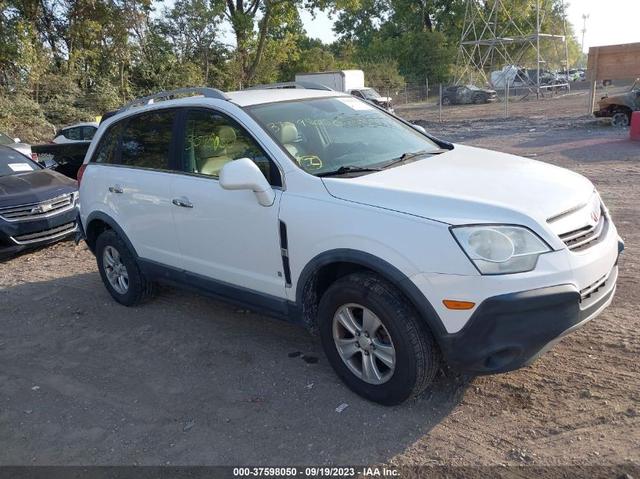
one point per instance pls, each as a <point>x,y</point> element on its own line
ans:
<point>348,81</point>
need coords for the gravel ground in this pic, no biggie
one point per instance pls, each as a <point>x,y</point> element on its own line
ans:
<point>188,380</point>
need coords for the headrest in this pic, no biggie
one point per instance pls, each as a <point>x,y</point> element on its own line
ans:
<point>226,134</point>
<point>215,145</point>
<point>288,133</point>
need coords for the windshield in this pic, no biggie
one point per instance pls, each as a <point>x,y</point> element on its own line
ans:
<point>5,140</point>
<point>325,134</point>
<point>12,162</point>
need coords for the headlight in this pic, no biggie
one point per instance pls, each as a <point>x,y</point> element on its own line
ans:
<point>496,249</point>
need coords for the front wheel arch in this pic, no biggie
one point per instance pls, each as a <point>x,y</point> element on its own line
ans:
<point>329,266</point>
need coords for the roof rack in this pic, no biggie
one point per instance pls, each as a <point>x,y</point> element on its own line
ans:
<point>171,94</point>
<point>305,85</point>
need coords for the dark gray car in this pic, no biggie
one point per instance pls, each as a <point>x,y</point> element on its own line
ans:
<point>467,94</point>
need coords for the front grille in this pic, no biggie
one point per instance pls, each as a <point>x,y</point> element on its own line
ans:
<point>35,211</point>
<point>586,236</point>
<point>44,235</point>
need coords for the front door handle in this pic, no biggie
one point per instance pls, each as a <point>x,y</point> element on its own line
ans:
<point>185,203</point>
<point>116,189</point>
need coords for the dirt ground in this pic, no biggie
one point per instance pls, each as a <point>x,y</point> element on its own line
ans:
<point>188,380</point>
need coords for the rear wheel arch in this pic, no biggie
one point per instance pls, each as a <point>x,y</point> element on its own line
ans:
<point>97,222</point>
<point>327,267</point>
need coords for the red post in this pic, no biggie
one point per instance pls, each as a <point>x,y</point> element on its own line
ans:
<point>634,131</point>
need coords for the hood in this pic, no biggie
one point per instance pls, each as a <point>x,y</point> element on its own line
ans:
<point>627,99</point>
<point>33,187</point>
<point>470,185</point>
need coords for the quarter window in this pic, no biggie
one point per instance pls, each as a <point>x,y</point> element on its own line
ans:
<point>212,140</point>
<point>88,132</point>
<point>146,140</point>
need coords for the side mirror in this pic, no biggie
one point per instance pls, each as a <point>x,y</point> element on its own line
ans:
<point>244,174</point>
<point>16,140</point>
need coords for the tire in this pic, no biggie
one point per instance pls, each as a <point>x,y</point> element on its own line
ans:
<point>446,100</point>
<point>621,119</point>
<point>478,99</point>
<point>416,356</point>
<point>138,288</point>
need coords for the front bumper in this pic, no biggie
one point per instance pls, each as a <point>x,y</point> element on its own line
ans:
<point>16,237</point>
<point>519,316</point>
<point>509,331</point>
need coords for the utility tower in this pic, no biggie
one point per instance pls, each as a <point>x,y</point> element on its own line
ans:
<point>491,40</point>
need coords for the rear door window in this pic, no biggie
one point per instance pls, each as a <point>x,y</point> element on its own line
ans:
<point>146,140</point>
<point>72,133</point>
<point>106,151</point>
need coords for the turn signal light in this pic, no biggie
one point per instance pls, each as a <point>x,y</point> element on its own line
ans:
<point>454,304</point>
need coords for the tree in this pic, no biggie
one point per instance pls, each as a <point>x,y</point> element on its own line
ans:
<point>191,27</point>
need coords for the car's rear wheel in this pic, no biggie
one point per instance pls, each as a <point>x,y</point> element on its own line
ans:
<point>446,100</point>
<point>375,340</point>
<point>119,270</point>
<point>621,119</point>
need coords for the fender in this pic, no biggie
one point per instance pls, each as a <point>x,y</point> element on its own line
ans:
<point>384,269</point>
<point>105,218</point>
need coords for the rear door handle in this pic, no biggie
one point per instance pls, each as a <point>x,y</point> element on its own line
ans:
<point>183,202</point>
<point>116,189</point>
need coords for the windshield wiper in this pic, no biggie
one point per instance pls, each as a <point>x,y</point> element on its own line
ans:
<point>413,155</point>
<point>348,169</point>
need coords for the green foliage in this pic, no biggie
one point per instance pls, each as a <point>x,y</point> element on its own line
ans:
<point>22,117</point>
<point>383,76</point>
<point>63,61</point>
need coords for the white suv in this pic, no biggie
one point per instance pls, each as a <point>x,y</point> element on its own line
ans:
<point>400,249</point>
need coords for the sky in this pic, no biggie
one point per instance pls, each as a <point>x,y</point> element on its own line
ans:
<point>610,22</point>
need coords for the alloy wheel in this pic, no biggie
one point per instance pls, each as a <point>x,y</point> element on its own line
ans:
<point>115,270</point>
<point>620,120</point>
<point>364,343</point>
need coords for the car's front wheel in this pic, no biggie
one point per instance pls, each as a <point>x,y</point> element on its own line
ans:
<point>375,340</point>
<point>621,119</point>
<point>119,270</point>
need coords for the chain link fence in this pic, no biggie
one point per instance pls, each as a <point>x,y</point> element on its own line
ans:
<point>487,103</point>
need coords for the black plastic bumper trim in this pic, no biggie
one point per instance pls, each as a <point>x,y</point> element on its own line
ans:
<point>509,331</point>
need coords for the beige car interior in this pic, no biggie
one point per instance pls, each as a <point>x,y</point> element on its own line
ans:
<point>207,154</point>
<point>287,136</point>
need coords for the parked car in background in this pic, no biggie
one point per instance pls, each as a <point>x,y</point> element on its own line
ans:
<point>37,206</point>
<point>16,144</point>
<point>402,250</point>
<point>371,95</point>
<point>65,158</point>
<point>620,107</point>
<point>347,81</point>
<point>467,94</point>
<point>77,132</point>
